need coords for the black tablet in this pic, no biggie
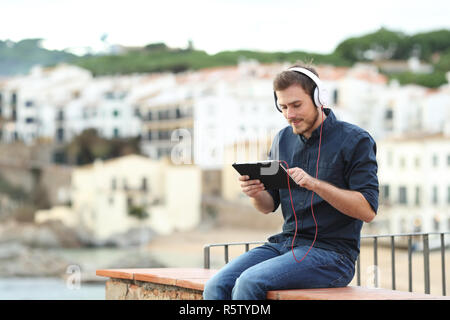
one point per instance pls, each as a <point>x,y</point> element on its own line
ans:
<point>271,173</point>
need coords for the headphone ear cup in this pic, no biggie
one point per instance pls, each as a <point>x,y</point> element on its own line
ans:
<point>276,101</point>
<point>316,98</point>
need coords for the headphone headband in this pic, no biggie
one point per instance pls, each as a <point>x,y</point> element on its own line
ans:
<point>309,74</point>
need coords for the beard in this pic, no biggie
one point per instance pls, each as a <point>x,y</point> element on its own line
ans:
<point>305,125</point>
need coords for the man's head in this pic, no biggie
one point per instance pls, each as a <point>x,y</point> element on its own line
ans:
<point>294,92</point>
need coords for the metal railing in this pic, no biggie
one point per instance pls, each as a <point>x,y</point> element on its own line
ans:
<point>413,242</point>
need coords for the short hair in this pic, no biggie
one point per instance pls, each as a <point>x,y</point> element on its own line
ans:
<point>287,78</point>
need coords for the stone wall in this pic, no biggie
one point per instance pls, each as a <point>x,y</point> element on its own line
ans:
<point>123,289</point>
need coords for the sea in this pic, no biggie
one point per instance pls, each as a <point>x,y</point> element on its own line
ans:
<point>88,286</point>
<point>37,288</point>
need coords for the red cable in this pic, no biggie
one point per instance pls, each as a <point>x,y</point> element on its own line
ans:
<point>312,197</point>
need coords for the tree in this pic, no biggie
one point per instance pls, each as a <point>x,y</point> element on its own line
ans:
<point>382,44</point>
<point>88,146</point>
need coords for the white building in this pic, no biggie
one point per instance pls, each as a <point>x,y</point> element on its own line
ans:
<point>30,104</point>
<point>414,177</point>
<point>111,197</point>
<point>60,102</point>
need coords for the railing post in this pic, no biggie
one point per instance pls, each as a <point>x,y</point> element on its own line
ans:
<point>206,256</point>
<point>426,263</point>
<point>375,260</point>
<point>393,261</point>
<point>358,271</point>
<point>443,264</point>
<point>226,254</point>
<point>410,263</point>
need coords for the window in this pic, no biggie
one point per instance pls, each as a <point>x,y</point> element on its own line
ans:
<point>417,196</point>
<point>29,103</point>
<point>448,195</point>
<point>434,195</point>
<point>116,133</point>
<point>162,115</point>
<point>60,134</point>
<point>402,195</point>
<point>14,99</point>
<point>335,96</point>
<point>113,184</point>
<point>389,115</point>
<point>163,135</point>
<point>109,95</point>
<point>448,160</point>
<point>116,113</point>
<point>144,186</point>
<point>59,157</point>
<point>29,120</point>
<point>435,160</point>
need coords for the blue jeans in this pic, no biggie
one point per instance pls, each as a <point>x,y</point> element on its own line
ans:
<point>273,267</point>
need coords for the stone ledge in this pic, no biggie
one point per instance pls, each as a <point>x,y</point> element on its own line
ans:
<point>188,284</point>
<point>125,289</point>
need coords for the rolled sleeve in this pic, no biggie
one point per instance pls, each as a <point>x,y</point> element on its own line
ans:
<point>276,198</point>
<point>361,168</point>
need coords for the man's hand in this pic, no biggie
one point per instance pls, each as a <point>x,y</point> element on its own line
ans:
<point>260,198</point>
<point>251,187</point>
<point>302,178</point>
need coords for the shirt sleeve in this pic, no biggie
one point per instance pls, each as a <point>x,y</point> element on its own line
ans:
<point>361,168</point>
<point>273,155</point>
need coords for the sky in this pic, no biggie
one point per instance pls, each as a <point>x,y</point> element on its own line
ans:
<point>214,25</point>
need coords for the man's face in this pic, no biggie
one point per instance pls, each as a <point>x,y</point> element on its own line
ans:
<point>298,109</point>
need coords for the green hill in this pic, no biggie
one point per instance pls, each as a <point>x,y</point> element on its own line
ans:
<point>432,47</point>
<point>19,57</point>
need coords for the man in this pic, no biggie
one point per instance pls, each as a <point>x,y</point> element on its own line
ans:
<point>342,197</point>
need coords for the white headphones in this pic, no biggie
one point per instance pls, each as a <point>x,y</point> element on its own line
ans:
<point>319,95</point>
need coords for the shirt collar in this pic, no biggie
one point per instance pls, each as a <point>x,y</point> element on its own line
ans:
<point>328,123</point>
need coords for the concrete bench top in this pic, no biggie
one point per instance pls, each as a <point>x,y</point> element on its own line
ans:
<point>195,278</point>
<point>190,278</point>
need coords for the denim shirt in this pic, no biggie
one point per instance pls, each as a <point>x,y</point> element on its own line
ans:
<point>347,161</point>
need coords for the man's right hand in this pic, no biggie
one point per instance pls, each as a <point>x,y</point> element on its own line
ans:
<point>251,187</point>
